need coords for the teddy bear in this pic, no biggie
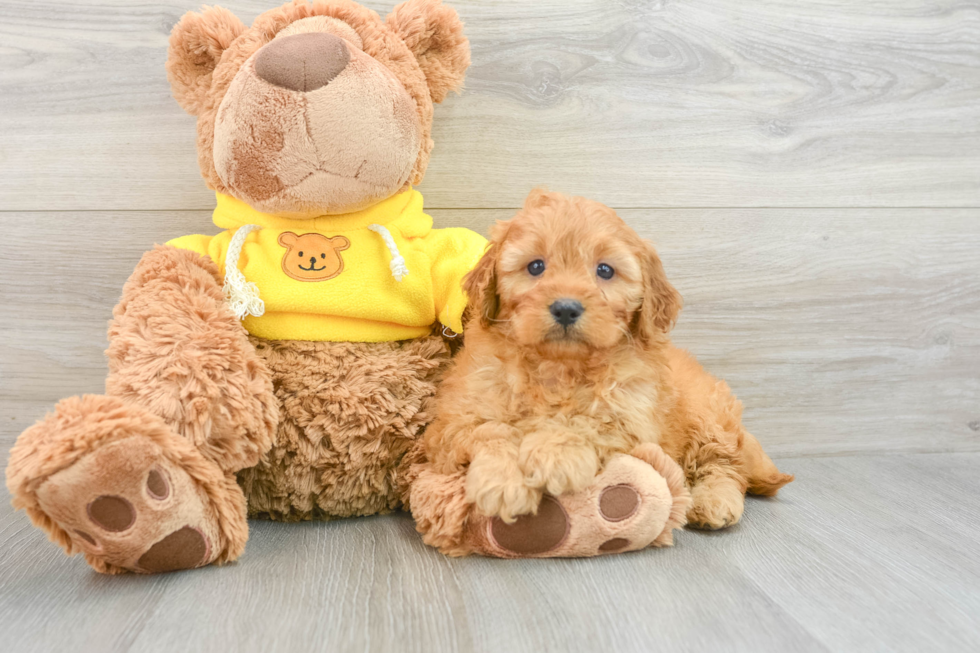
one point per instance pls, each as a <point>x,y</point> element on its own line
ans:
<point>284,368</point>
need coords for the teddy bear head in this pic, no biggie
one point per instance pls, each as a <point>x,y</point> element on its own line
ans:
<point>318,108</point>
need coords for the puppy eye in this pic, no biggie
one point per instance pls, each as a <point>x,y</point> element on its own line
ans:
<point>605,271</point>
<point>535,267</point>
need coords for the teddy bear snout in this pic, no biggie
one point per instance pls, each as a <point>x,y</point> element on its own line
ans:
<point>302,62</point>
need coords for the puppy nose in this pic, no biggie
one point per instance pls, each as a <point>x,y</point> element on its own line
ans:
<point>302,62</point>
<point>566,311</point>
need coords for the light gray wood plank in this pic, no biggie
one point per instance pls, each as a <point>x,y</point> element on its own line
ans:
<point>841,330</point>
<point>889,536</point>
<point>861,553</point>
<point>637,103</point>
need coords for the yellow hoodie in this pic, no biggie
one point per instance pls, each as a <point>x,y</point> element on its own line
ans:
<point>375,275</point>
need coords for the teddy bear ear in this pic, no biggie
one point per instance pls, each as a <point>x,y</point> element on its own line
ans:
<point>196,44</point>
<point>434,34</point>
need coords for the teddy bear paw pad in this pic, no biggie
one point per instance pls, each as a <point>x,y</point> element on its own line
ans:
<point>613,545</point>
<point>113,514</point>
<point>625,509</point>
<point>532,534</point>
<point>618,502</point>
<point>185,548</point>
<point>128,505</point>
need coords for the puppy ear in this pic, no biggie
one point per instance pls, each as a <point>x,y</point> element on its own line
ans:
<point>480,283</point>
<point>541,197</point>
<point>434,34</point>
<point>661,302</point>
<point>196,45</point>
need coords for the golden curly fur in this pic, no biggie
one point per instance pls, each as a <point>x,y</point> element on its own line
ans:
<point>536,406</point>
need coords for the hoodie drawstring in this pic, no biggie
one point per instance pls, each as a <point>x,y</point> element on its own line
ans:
<point>243,296</point>
<point>399,270</point>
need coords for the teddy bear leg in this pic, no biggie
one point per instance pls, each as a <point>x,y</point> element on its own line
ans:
<point>143,479</point>
<point>176,349</point>
<point>635,502</point>
<point>111,480</point>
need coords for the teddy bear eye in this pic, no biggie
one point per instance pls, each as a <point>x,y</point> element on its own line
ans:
<point>323,255</point>
<point>300,252</point>
<point>535,267</point>
<point>605,271</point>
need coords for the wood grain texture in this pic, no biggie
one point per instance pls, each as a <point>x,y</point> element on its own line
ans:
<point>841,330</point>
<point>637,103</point>
<point>859,554</point>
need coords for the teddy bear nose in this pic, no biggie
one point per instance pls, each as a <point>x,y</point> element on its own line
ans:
<point>302,62</point>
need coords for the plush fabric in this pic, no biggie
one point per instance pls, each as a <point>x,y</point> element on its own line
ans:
<point>197,43</point>
<point>304,62</point>
<point>350,412</point>
<point>359,300</point>
<point>204,62</point>
<point>353,139</point>
<point>317,139</point>
<point>176,350</point>
<point>93,447</point>
<point>434,34</point>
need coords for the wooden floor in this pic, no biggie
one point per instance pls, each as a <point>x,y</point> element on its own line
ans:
<point>864,553</point>
<point>810,172</point>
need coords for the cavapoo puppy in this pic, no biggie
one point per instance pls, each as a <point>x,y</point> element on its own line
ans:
<point>567,361</point>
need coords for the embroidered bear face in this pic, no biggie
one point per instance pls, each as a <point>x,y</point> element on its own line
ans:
<point>312,257</point>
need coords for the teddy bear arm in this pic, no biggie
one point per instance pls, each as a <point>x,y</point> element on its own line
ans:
<point>176,350</point>
<point>454,252</point>
<point>680,496</point>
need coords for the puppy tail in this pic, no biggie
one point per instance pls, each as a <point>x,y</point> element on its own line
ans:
<point>763,476</point>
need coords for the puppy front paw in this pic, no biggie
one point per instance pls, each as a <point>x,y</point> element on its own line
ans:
<point>557,467</point>
<point>715,508</point>
<point>497,488</point>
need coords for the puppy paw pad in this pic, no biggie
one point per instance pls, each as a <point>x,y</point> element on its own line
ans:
<point>112,513</point>
<point>615,544</point>
<point>618,502</point>
<point>533,534</point>
<point>183,549</point>
<point>157,485</point>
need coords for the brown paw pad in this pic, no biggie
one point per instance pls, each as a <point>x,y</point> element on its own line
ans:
<point>183,549</point>
<point>87,538</point>
<point>615,544</point>
<point>618,502</point>
<point>157,485</point>
<point>533,534</point>
<point>112,513</point>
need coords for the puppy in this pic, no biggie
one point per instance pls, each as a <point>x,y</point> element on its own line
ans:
<point>567,361</point>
